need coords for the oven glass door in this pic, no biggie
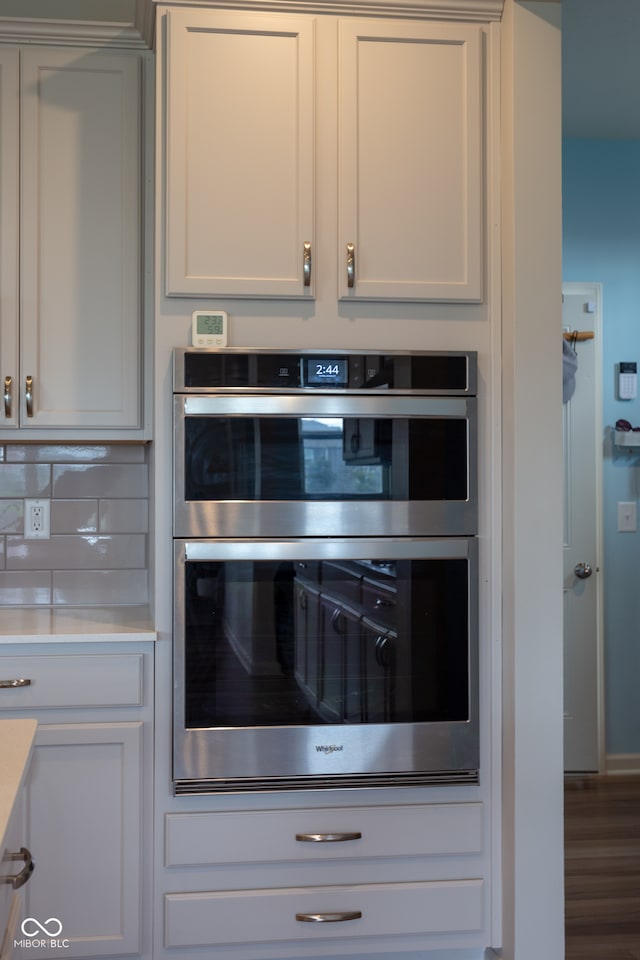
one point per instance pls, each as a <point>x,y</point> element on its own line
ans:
<point>324,463</point>
<point>286,651</point>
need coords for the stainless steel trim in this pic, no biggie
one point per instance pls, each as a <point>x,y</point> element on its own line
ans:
<point>329,917</point>
<point>328,837</point>
<point>326,405</point>
<point>18,682</point>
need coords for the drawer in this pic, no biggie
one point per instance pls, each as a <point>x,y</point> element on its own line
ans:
<point>76,680</point>
<point>365,910</point>
<point>196,839</point>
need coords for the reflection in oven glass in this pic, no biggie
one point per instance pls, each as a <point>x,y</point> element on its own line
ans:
<point>272,643</point>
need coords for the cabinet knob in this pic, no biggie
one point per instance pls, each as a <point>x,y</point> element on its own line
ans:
<point>8,383</point>
<point>351,265</point>
<point>12,684</point>
<point>28,395</point>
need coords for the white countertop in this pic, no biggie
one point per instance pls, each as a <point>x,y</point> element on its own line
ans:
<point>75,624</point>
<point>16,742</point>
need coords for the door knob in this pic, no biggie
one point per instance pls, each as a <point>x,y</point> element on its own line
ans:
<point>583,570</point>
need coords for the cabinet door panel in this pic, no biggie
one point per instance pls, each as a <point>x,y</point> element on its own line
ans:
<point>239,154</point>
<point>80,247</point>
<point>84,819</point>
<point>9,234</point>
<point>411,160</point>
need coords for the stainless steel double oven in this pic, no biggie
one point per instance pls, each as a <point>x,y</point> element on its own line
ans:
<point>325,540</point>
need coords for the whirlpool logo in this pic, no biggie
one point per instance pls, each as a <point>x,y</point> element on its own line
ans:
<point>38,936</point>
<point>329,747</point>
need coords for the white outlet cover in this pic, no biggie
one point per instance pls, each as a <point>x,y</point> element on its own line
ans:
<point>37,519</point>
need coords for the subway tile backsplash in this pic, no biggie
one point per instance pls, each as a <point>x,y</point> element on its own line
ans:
<point>98,550</point>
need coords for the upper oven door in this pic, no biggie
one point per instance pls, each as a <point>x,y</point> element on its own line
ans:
<point>324,465</point>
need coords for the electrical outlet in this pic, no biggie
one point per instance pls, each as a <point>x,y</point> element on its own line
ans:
<point>37,521</point>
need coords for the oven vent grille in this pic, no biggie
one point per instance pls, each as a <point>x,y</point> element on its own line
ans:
<point>245,784</point>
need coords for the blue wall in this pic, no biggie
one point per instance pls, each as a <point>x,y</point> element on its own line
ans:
<point>601,244</point>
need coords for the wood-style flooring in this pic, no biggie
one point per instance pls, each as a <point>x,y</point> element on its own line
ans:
<point>602,868</point>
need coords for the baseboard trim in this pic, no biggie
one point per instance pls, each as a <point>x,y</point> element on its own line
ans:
<point>618,763</point>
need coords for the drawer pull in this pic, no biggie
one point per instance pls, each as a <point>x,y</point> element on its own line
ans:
<point>329,917</point>
<point>328,837</point>
<point>19,879</point>
<point>18,682</point>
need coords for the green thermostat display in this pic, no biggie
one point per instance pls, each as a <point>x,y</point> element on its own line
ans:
<point>209,329</point>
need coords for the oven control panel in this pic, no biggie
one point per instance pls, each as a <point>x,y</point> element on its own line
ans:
<point>443,373</point>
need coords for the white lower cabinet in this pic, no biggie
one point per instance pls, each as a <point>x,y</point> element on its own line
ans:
<point>326,881</point>
<point>85,800</point>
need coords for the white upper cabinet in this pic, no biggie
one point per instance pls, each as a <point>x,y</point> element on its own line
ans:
<point>250,158</point>
<point>240,131</point>
<point>410,210</point>
<point>71,344</point>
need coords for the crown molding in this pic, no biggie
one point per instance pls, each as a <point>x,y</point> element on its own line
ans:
<point>468,10</point>
<point>137,35</point>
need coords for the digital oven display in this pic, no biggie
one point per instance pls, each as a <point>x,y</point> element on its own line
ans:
<point>327,371</point>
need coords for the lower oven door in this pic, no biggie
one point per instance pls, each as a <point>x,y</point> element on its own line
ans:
<point>325,663</point>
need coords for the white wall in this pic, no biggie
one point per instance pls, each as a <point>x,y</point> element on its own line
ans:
<point>532,484</point>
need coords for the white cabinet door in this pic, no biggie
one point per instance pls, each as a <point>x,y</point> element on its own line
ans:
<point>239,141</point>
<point>9,235</point>
<point>84,817</point>
<point>80,239</point>
<point>410,160</point>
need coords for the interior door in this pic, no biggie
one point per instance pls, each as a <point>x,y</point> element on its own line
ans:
<point>582,586</point>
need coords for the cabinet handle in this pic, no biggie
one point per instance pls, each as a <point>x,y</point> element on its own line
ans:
<point>8,383</point>
<point>328,837</point>
<point>28,395</point>
<point>329,917</point>
<point>19,879</point>
<point>380,602</point>
<point>18,682</point>
<point>351,265</point>
<point>306,264</point>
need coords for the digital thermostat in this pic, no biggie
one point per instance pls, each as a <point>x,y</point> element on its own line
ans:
<point>209,329</point>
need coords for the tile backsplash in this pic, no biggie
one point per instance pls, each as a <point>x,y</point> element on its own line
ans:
<point>98,550</point>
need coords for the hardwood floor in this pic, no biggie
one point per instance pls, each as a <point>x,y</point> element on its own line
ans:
<point>602,868</point>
